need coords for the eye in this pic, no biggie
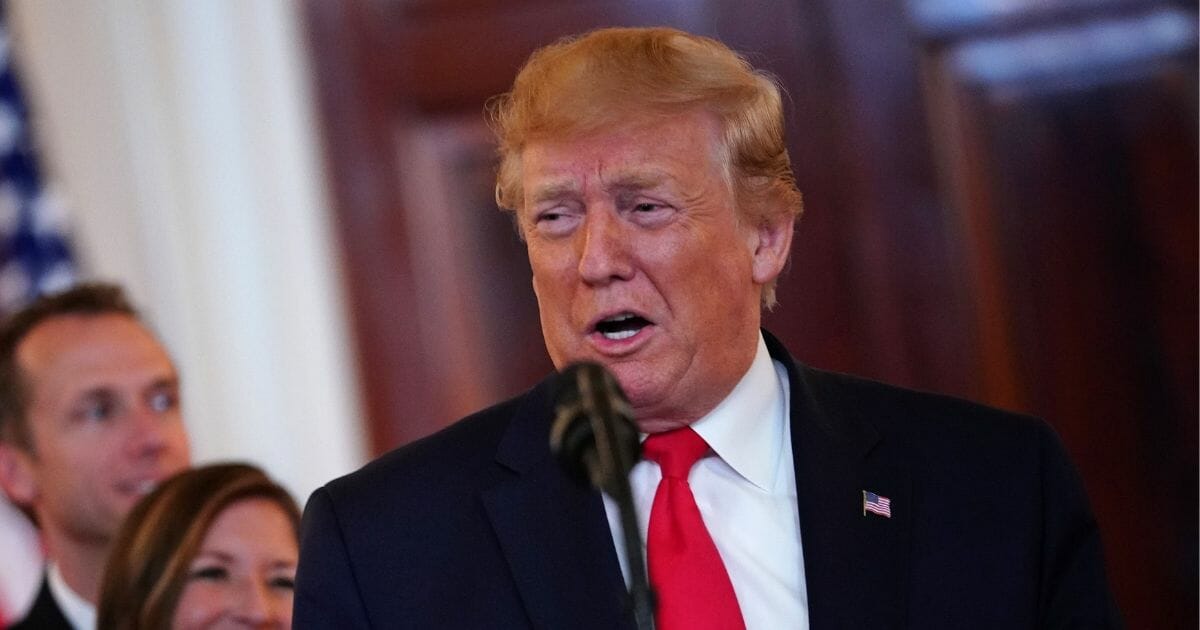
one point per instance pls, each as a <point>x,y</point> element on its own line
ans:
<point>209,573</point>
<point>97,408</point>
<point>556,221</point>
<point>648,213</point>
<point>164,400</point>
<point>283,582</point>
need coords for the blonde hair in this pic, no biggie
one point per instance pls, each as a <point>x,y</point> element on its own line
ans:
<point>151,556</point>
<point>609,77</point>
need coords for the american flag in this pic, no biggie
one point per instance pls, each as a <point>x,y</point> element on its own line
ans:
<point>876,504</point>
<point>35,256</point>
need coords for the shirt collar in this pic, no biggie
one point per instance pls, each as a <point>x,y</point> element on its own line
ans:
<point>748,429</point>
<point>79,611</point>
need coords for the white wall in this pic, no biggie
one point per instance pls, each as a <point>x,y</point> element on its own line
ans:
<point>181,134</point>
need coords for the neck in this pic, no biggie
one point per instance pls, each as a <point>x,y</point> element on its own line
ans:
<point>661,424</point>
<point>81,564</point>
<point>697,404</point>
<point>658,419</point>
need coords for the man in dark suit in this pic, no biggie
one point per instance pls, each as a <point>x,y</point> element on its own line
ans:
<point>89,423</point>
<point>649,177</point>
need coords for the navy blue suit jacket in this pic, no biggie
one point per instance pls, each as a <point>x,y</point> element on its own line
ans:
<point>44,614</point>
<point>477,527</point>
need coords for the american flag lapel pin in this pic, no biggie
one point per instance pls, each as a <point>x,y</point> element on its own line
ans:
<point>876,504</point>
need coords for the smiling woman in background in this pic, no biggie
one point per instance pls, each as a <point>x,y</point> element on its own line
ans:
<point>214,544</point>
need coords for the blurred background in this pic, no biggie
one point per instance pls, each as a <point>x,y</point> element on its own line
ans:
<point>1001,204</point>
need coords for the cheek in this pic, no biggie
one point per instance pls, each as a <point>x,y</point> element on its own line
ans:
<point>181,447</point>
<point>552,281</point>
<point>63,474</point>
<point>556,258</point>
<point>705,284</point>
<point>697,270</point>
<point>198,606</point>
<point>284,607</point>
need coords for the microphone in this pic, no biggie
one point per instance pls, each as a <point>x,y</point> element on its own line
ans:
<point>595,440</point>
<point>593,433</point>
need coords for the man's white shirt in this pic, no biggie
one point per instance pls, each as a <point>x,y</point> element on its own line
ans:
<point>747,496</point>
<point>78,611</point>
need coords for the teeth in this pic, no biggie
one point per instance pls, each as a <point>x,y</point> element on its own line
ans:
<point>146,487</point>
<point>607,325</point>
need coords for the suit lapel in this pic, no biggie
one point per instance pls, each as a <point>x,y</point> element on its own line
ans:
<point>856,565</point>
<point>553,532</point>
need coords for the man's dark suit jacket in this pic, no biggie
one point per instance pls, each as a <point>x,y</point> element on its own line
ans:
<point>477,527</point>
<point>44,614</point>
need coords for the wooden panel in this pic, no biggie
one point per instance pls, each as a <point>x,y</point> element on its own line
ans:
<point>360,158</point>
<point>1072,150</point>
<point>872,290</point>
<point>477,318</point>
<point>446,58</point>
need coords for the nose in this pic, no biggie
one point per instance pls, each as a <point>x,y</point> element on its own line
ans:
<point>152,432</point>
<point>257,608</point>
<point>606,248</point>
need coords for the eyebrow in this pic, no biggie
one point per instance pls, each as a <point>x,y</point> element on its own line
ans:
<point>165,381</point>
<point>636,181</point>
<point>219,555</point>
<point>107,388</point>
<point>109,391</point>
<point>554,190</point>
<point>622,182</point>
<point>229,558</point>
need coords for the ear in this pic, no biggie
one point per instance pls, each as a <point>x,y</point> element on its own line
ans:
<point>17,476</point>
<point>772,241</point>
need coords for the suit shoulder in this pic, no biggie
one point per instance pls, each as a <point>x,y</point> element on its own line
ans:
<point>459,450</point>
<point>943,438</point>
<point>892,409</point>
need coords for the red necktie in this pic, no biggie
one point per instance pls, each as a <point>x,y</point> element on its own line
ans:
<point>693,588</point>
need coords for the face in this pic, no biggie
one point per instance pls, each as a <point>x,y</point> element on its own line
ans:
<point>244,573</point>
<point>640,262</point>
<point>104,424</point>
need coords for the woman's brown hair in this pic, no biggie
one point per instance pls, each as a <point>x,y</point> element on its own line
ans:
<point>149,563</point>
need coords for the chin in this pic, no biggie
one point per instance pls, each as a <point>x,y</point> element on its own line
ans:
<point>639,384</point>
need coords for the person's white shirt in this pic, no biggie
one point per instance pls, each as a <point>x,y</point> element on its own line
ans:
<point>79,612</point>
<point>747,496</point>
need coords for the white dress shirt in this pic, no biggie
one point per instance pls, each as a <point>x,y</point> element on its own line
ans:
<point>746,495</point>
<point>78,611</point>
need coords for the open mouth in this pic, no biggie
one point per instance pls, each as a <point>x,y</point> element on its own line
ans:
<point>621,326</point>
<point>140,487</point>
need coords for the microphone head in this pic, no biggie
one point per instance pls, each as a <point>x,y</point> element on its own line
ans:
<point>592,417</point>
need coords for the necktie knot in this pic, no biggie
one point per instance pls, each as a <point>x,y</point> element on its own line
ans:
<point>675,451</point>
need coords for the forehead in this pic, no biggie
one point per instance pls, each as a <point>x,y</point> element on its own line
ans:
<point>639,154</point>
<point>259,521</point>
<point>70,348</point>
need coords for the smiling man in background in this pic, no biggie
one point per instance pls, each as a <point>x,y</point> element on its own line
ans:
<point>89,423</point>
<point>649,176</point>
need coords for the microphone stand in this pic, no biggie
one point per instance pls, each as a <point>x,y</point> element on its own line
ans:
<point>614,464</point>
